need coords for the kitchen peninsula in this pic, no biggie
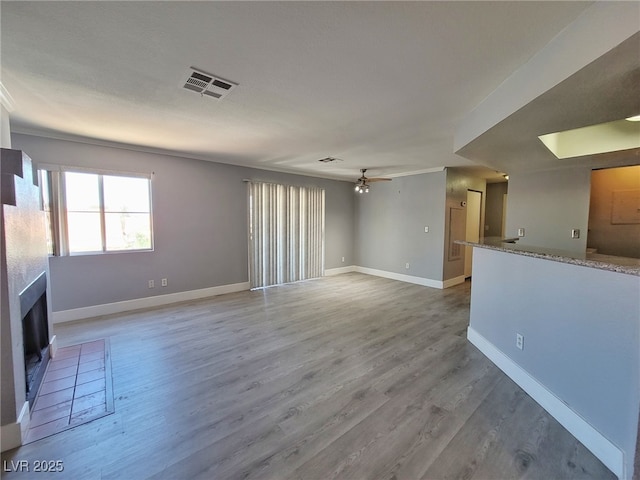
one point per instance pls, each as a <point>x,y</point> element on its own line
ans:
<point>566,328</point>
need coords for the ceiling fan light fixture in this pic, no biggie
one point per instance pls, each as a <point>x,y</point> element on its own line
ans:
<point>362,187</point>
<point>362,184</point>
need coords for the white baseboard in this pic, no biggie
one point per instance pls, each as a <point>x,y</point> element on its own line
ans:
<point>12,435</point>
<point>598,444</point>
<point>328,272</point>
<point>146,302</point>
<point>426,282</point>
<point>159,300</point>
<point>453,281</point>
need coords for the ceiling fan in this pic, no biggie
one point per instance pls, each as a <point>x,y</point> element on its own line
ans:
<point>362,184</point>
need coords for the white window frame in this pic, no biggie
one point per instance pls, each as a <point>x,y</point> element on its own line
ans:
<point>59,226</point>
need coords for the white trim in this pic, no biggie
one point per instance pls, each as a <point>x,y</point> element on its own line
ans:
<point>426,282</point>
<point>146,302</point>
<point>6,100</point>
<point>54,167</point>
<point>415,172</point>
<point>24,419</point>
<point>63,316</point>
<point>53,347</point>
<point>598,444</point>
<point>11,435</point>
<point>453,281</point>
<point>339,270</point>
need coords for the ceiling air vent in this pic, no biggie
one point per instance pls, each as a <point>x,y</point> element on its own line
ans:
<point>207,84</point>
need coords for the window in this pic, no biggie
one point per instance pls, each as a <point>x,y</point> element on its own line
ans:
<point>93,212</point>
<point>45,191</point>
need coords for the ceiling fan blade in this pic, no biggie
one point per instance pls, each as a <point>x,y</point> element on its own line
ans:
<point>378,180</point>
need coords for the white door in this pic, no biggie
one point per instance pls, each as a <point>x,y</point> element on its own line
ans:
<point>474,205</point>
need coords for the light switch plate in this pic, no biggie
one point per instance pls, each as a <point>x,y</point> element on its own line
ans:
<point>575,233</point>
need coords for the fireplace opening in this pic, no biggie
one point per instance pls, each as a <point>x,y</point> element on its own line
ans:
<point>35,334</point>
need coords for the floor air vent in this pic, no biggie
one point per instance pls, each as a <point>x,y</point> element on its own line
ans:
<point>207,84</point>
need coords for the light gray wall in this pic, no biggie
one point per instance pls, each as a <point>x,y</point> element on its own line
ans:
<point>493,209</point>
<point>199,221</point>
<point>548,205</point>
<point>458,183</point>
<point>581,334</point>
<point>390,223</point>
<point>24,258</point>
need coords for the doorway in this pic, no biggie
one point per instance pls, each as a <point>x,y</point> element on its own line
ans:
<point>474,208</point>
<point>614,212</point>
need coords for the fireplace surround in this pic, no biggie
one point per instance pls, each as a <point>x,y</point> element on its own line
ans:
<point>35,334</point>
<point>26,336</point>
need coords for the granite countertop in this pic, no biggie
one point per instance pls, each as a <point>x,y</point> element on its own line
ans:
<point>629,266</point>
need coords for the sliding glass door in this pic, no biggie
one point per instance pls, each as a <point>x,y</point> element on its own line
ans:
<point>286,233</point>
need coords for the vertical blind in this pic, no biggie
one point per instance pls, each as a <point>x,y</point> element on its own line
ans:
<point>286,233</point>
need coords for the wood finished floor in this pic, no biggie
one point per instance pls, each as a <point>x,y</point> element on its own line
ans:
<point>346,377</point>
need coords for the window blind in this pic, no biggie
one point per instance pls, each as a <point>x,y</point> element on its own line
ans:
<point>286,233</point>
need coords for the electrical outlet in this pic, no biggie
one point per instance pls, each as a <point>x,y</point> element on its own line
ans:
<point>426,229</point>
<point>521,232</point>
<point>520,341</point>
<point>342,259</point>
<point>164,282</point>
<point>575,233</point>
<point>406,265</point>
<point>152,283</point>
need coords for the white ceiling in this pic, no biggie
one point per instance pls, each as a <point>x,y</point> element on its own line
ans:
<point>379,85</point>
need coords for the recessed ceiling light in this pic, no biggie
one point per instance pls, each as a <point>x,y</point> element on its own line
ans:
<point>603,138</point>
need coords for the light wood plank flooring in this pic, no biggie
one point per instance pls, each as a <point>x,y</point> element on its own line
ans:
<point>346,377</point>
